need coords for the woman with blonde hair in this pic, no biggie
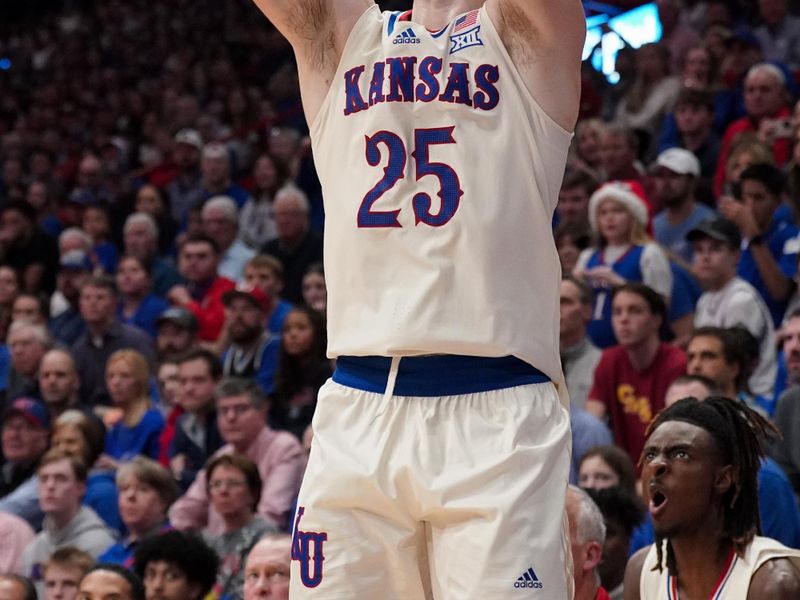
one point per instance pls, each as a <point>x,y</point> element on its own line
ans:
<point>623,252</point>
<point>139,426</point>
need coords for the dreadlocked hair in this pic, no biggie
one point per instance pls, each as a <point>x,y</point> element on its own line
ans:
<point>739,434</point>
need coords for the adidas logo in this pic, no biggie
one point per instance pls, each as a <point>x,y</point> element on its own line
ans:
<point>528,580</point>
<point>406,37</point>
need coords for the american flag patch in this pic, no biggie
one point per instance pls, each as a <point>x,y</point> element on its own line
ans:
<point>464,21</point>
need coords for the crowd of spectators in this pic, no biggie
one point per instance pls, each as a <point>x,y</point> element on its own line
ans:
<point>162,296</point>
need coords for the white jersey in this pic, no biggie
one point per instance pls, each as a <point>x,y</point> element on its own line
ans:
<point>440,175</point>
<point>739,303</point>
<point>733,582</point>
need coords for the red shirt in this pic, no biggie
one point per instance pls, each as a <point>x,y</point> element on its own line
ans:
<point>632,398</point>
<point>209,310</point>
<point>781,147</point>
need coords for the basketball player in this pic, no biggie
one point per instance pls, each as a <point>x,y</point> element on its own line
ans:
<point>699,473</point>
<point>441,451</point>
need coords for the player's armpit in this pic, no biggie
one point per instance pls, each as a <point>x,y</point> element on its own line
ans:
<point>777,579</point>
<point>633,574</point>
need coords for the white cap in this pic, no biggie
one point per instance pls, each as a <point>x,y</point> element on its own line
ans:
<point>189,136</point>
<point>679,161</point>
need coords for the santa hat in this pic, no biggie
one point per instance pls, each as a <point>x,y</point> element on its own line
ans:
<point>628,193</point>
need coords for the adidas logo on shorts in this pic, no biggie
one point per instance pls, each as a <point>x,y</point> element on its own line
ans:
<point>528,580</point>
<point>406,37</point>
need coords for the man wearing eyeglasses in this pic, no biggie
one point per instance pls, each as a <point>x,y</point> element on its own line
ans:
<point>266,573</point>
<point>241,419</point>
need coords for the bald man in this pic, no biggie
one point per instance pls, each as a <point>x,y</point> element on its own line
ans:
<point>59,382</point>
<point>266,572</point>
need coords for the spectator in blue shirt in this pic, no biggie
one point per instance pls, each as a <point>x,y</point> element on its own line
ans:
<point>138,305</point>
<point>770,247</point>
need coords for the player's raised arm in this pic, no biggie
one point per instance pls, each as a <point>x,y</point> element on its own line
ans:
<point>545,40</point>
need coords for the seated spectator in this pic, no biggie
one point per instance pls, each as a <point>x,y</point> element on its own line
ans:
<point>618,151</point>
<point>786,449</point>
<point>585,149</point>
<point>104,336</point>
<point>297,245</point>
<point>253,351</point>
<point>185,190</point>
<point>303,368</point>
<point>176,332</point>
<point>59,383</point>
<point>221,223</point>
<point>75,269</point>
<point>765,98</point>
<point>651,96</point>
<point>728,300</point>
<point>618,213</point>
<point>83,435</point>
<point>266,272</point>
<point>9,289</point>
<point>25,437</point>
<point>138,305</point>
<point>675,177</point>
<point>150,200</point>
<point>215,167</point>
<point>747,150</point>
<point>587,533</point>
<point>95,222</point>
<point>579,356</point>
<point>26,248</point>
<point>571,239</point>
<point>63,571</point>
<point>267,569</point>
<point>315,291</point>
<point>587,432</point>
<point>573,197</point>
<point>106,581</point>
<point>62,484</point>
<point>622,514</point>
<point>256,222</point>
<point>197,437</point>
<point>631,379</point>
<point>140,236</point>
<point>16,535</point>
<point>168,387</point>
<point>198,260</point>
<point>138,428</point>
<point>27,343</point>
<point>779,33</point>
<point>768,262</point>
<point>146,491</point>
<point>15,587</point>
<point>607,466</point>
<point>234,487</point>
<point>241,418</point>
<point>30,307</point>
<point>691,126</point>
<point>176,566</point>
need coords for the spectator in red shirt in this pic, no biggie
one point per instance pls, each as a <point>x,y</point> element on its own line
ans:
<point>766,101</point>
<point>198,260</point>
<point>631,379</point>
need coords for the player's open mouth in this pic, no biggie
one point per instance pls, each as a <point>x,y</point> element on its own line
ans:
<point>657,502</point>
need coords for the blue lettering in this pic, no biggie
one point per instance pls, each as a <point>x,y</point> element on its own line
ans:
<point>428,88</point>
<point>353,101</point>
<point>488,96</point>
<point>457,88</point>
<point>376,85</point>
<point>401,78</point>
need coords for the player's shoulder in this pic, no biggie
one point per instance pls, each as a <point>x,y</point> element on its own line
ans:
<point>633,574</point>
<point>776,579</point>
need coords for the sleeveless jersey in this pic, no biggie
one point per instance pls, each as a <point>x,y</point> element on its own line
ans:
<point>440,174</point>
<point>733,582</point>
<point>627,266</point>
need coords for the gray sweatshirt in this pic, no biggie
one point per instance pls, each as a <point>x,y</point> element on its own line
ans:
<point>86,532</point>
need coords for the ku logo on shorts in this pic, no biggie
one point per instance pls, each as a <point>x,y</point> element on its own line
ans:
<point>307,547</point>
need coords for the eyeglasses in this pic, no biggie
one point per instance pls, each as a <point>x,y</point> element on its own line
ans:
<point>232,484</point>
<point>237,409</point>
